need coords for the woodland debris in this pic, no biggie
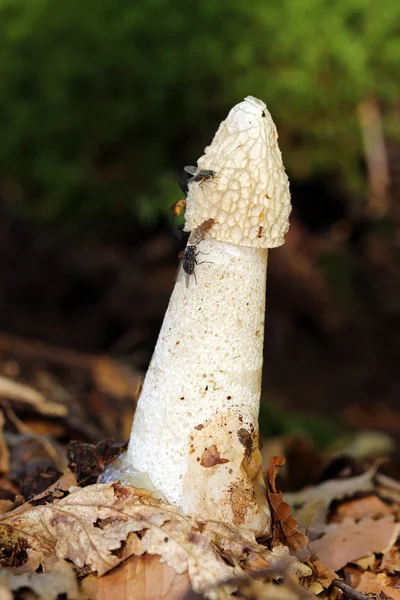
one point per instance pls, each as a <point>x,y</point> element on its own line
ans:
<point>378,584</point>
<point>284,526</point>
<point>99,526</point>
<point>351,541</point>
<point>4,452</point>
<point>11,390</point>
<point>333,489</point>
<point>88,461</point>
<point>59,582</point>
<point>360,508</point>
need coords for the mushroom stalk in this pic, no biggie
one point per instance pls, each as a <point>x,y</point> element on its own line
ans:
<point>195,431</point>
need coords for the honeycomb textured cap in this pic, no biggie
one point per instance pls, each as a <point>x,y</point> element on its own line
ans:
<point>249,196</point>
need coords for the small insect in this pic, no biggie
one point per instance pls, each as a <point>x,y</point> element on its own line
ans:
<point>189,255</point>
<point>260,231</point>
<point>178,208</point>
<point>189,259</point>
<point>199,175</point>
<point>197,235</point>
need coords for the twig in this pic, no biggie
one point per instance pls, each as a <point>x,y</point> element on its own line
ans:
<point>349,591</point>
<point>59,461</point>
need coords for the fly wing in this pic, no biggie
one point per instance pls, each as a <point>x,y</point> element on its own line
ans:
<point>191,170</point>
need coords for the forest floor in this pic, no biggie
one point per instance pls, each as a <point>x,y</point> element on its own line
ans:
<point>335,530</point>
<point>76,333</point>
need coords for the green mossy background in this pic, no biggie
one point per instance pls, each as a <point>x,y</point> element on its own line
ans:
<point>103,102</point>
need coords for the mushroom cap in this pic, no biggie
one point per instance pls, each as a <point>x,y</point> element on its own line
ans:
<point>249,196</point>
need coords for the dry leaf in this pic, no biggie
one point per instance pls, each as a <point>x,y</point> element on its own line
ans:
<point>370,583</point>
<point>284,525</point>
<point>351,541</point>
<point>60,581</point>
<point>352,575</point>
<point>322,574</point>
<point>6,506</point>
<point>332,490</point>
<point>391,561</point>
<point>360,508</point>
<point>97,528</point>
<point>138,578</point>
<point>212,457</point>
<point>388,487</point>
<point>11,390</point>
<point>366,563</point>
<point>4,452</point>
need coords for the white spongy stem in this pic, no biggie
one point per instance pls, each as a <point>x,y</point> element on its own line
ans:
<point>207,361</point>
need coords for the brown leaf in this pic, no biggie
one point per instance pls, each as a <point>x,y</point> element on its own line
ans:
<point>322,574</point>
<point>100,526</point>
<point>352,575</point>
<point>60,581</point>
<point>333,489</point>
<point>212,457</point>
<point>351,541</point>
<point>391,561</point>
<point>360,508</point>
<point>276,462</point>
<point>371,583</point>
<point>4,452</point>
<point>284,525</point>
<point>139,577</point>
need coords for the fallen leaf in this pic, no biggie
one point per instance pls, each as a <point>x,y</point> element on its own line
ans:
<point>316,588</point>
<point>139,577</point>
<point>388,487</point>
<point>366,562</point>
<point>391,561</point>
<point>60,581</point>
<point>352,575</point>
<point>333,490</point>
<point>370,583</point>
<point>6,506</point>
<point>350,541</point>
<point>212,457</point>
<point>360,508</point>
<point>99,526</point>
<point>11,390</point>
<point>322,574</point>
<point>4,452</point>
<point>284,525</point>
<point>9,496</point>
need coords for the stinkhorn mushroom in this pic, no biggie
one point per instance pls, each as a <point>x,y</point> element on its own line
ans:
<point>195,431</point>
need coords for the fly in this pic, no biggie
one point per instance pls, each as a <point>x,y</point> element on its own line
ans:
<point>189,260</point>
<point>197,235</point>
<point>199,175</point>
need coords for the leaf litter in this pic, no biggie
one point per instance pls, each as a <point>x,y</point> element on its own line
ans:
<point>98,527</point>
<point>73,541</point>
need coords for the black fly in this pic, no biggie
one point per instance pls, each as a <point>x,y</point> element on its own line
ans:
<point>189,261</point>
<point>199,175</point>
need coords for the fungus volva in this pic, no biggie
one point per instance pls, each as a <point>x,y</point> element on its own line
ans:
<point>195,431</point>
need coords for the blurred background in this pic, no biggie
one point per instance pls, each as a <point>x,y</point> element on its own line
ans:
<point>102,103</point>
